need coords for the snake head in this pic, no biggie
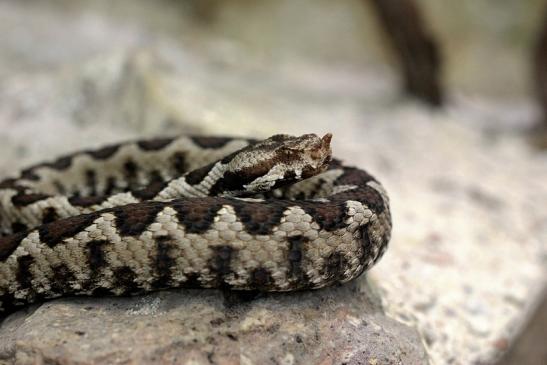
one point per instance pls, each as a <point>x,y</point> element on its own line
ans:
<point>280,160</point>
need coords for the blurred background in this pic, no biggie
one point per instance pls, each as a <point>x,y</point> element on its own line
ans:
<point>444,102</point>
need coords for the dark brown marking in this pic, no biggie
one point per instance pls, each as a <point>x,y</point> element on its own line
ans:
<point>8,244</point>
<point>61,163</point>
<point>211,142</point>
<point>235,181</point>
<point>365,240</point>
<point>155,176</point>
<point>86,201</point>
<point>261,278</point>
<point>154,144</point>
<point>17,227</point>
<point>62,279</point>
<point>125,278</point>
<point>163,262</point>
<point>364,194</point>
<point>29,174</point>
<point>259,218</point>
<point>95,255</point>
<point>192,281</point>
<point>22,199</point>
<point>231,181</point>
<point>288,178</point>
<point>110,185</point>
<point>196,176</point>
<point>8,303</point>
<point>221,262</point>
<point>329,216</point>
<point>335,266</point>
<point>132,219</point>
<point>53,233</point>
<point>197,215</point>
<point>294,256</point>
<point>91,181</point>
<point>23,275</point>
<point>130,168</point>
<point>178,160</point>
<point>49,215</point>
<point>104,152</point>
<point>8,184</point>
<point>150,191</point>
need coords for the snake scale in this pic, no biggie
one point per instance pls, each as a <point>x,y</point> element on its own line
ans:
<point>193,211</point>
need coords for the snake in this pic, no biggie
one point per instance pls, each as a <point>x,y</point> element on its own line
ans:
<point>273,215</point>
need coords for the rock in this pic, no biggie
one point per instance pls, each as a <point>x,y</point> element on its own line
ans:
<point>344,324</point>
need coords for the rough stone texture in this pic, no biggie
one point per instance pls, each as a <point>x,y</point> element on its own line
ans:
<point>467,262</point>
<point>333,326</point>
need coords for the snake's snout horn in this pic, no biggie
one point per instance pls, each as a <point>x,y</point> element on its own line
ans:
<point>326,139</point>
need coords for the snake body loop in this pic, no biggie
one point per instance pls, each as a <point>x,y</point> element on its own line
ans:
<point>200,212</point>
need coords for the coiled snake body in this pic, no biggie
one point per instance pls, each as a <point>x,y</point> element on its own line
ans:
<point>207,212</point>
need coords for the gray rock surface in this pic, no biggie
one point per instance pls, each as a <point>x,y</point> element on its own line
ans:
<point>466,265</point>
<point>333,326</point>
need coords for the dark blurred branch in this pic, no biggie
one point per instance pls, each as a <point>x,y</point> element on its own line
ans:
<point>416,48</point>
<point>540,69</point>
<point>204,11</point>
